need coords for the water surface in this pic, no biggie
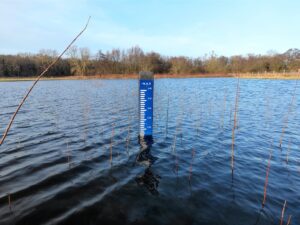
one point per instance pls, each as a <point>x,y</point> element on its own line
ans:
<point>73,155</point>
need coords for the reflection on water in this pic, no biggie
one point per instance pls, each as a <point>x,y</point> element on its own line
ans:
<point>148,179</point>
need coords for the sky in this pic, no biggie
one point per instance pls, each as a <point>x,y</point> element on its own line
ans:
<point>190,28</point>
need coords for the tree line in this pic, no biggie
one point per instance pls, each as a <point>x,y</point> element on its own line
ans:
<point>80,61</point>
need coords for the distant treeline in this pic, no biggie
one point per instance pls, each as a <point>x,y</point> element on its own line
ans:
<point>80,61</point>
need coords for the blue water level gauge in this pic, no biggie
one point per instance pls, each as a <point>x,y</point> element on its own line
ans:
<point>146,86</point>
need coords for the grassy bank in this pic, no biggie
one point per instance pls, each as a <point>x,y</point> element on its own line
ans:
<point>158,76</point>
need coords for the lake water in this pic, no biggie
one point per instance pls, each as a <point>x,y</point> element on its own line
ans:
<point>73,155</point>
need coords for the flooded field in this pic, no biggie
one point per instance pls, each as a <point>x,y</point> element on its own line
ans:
<point>73,155</point>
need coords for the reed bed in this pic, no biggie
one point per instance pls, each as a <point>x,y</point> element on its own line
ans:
<point>269,75</point>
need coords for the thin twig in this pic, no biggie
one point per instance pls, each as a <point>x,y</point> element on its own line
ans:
<point>35,82</point>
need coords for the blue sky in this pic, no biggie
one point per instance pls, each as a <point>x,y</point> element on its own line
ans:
<point>170,27</point>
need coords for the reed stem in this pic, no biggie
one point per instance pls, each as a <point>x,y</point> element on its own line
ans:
<point>285,124</point>
<point>167,122</point>
<point>234,124</point>
<point>282,213</point>
<point>288,152</point>
<point>224,109</point>
<point>9,201</point>
<point>111,142</point>
<point>289,220</point>
<point>69,154</point>
<point>266,181</point>
<point>191,166</point>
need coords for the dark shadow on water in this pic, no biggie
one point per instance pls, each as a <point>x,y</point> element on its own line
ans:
<point>148,179</point>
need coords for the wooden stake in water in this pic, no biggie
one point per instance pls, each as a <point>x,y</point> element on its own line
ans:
<point>282,213</point>
<point>234,124</point>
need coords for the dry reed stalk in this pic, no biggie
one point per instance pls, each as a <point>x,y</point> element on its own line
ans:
<point>234,125</point>
<point>181,132</point>
<point>209,107</point>
<point>285,124</point>
<point>174,141</point>
<point>86,111</point>
<point>111,142</point>
<point>237,112</point>
<point>35,82</point>
<point>200,123</point>
<point>267,114</point>
<point>69,154</point>
<point>267,179</point>
<point>230,114</point>
<point>176,163</point>
<point>175,137</point>
<point>191,166</point>
<point>9,201</point>
<point>166,133</point>
<point>224,109</point>
<point>289,220</point>
<point>282,212</point>
<point>288,151</point>
<point>128,139</point>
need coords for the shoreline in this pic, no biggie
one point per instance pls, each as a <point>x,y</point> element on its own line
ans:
<point>275,76</point>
